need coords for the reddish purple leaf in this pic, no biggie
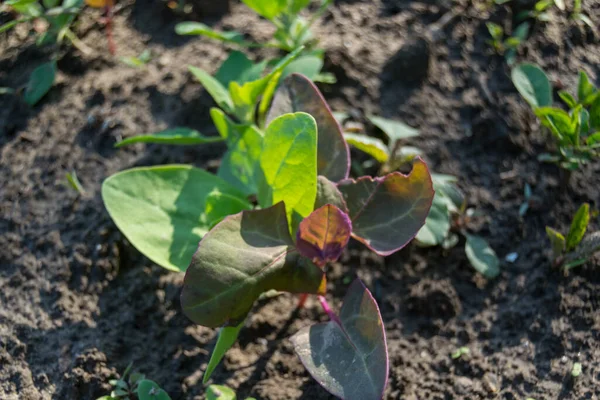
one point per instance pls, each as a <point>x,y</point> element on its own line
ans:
<point>387,212</point>
<point>323,235</point>
<point>298,93</point>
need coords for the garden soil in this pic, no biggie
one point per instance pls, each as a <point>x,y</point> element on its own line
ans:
<point>78,303</point>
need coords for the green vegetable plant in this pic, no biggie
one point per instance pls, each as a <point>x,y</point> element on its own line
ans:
<point>134,387</point>
<point>280,208</point>
<point>577,131</point>
<point>52,20</point>
<point>292,32</point>
<point>504,44</point>
<point>576,248</point>
<point>447,218</point>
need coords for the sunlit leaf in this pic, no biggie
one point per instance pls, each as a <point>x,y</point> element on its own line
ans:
<point>40,82</point>
<point>214,88</point>
<point>267,8</point>
<point>557,240</point>
<point>370,145</point>
<point>482,257</point>
<point>323,235</point>
<point>578,226</point>
<point>437,224</point>
<point>197,28</point>
<point>297,93</point>
<point>164,211</point>
<point>175,136</point>
<point>227,337</point>
<point>387,212</point>
<point>289,165</point>
<point>243,256</point>
<point>533,84</point>
<point>348,356</point>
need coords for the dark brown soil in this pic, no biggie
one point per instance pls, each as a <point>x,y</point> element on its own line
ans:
<point>77,303</point>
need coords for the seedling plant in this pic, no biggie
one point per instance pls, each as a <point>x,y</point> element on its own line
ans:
<point>577,131</point>
<point>504,44</point>
<point>576,248</point>
<point>134,387</point>
<point>292,32</point>
<point>448,218</point>
<point>280,208</point>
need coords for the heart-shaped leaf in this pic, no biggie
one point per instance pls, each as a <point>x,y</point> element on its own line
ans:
<point>482,257</point>
<point>244,142</point>
<point>289,164</point>
<point>323,235</point>
<point>298,93</point>
<point>243,256</point>
<point>164,211</point>
<point>175,136</point>
<point>40,82</point>
<point>387,212</point>
<point>348,357</point>
<point>227,337</point>
<point>533,84</point>
<point>149,390</point>
<point>328,193</point>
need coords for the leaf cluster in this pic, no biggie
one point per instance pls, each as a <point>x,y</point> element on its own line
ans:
<point>447,219</point>
<point>134,387</point>
<point>505,44</point>
<point>576,130</point>
<point>576,248</point>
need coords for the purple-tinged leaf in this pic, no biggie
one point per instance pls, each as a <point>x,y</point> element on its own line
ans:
<point>348,356</point>
<point>323,235</point>
<point>387,212</point>
<point>298,93</point>
<point>243,256</point>
<point>328,193</point>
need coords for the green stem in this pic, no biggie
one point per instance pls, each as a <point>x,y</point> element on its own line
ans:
<point>77,43</point>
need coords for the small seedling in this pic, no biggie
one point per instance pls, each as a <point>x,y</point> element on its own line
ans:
<point>540,10</point>
<point>462,351</point>
<point>134,387</point>
<point>578,16</point>
<point>218,392</point>
<point>574,250</point>
<point>74,182</point>
<point>576,371</point>
<point>292,32</point>
<point>447,218</point>
<point>279,210</point>
<point>139,61</point>
<point>504,45</point>
<point>576,132</point>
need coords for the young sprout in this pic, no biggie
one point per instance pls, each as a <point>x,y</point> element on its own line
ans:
<point>461,351</point>
<point>576,371</point>
<point>75,183</point>
<point>504,45</point>
<point>136,387</point>
<point>578,16</point>
<point>218,392</point>
<point>139,61</point>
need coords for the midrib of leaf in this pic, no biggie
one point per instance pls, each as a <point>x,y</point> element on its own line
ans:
<point>364,205</point>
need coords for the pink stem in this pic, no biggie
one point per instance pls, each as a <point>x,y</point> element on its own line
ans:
<point>327,309</point>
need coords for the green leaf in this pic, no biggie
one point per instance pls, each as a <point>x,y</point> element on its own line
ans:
<point>348,355</point>
<point>394,130</point>
<point>328,193</point>
<point>295,6</point>
<point>197,28</point>
<point>482,257</point>
<point>533,84</point>
<point>589,246</point>
<point>557,241</point>
<point>149,390</point>
<point>558,121</point>
<point>237,67</point>
<point>370,145</point>
<point>243,256</point>
<point>227,337</point>
<point>218,392</point>
<point>267,8</point>
<point>164,211</point>
<point>585,89</point>
<point>437,224</point>
<point>387,212</point>
<point>595,113</point>
<point>593,139</point>
<point>495,30</point>
<point>297,93</point>
<point>244,142</point>
<point>289,165</point>
<point>578,226</point>
<point>40,82</point>
<point>214,87</point>
<point>74,182</point>
<point>309,66</point>
<point>521,31</point>
<point>175,136</point>
<point>12,24</point>
<point>568,98</point>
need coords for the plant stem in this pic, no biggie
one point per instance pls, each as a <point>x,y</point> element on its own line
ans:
<point>77,43</point>
<point>328,310</point>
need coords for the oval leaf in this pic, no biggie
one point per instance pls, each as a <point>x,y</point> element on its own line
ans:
<point>578,226</point>
<point>298,93</point>
<point>482,257</point>
<point>289,164</point>
<point>164,211</point>
<point>149,390</point>
<point>372,146</point>
<point>394,130</point>
<point>175,136</point>
<point>40,82</point>
<point>323,235</point>
<point>387,212</point>
<point>348,357</point>
<point>533,84</point>
<point>227,337</point>
<point>437,224</point>
<point>243,256</point>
